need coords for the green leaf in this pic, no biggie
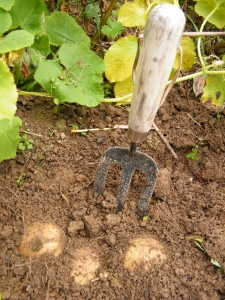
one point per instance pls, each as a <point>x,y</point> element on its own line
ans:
<point>79,78</point>
<point>145,218</point>
<point>7,4</point>
<point>6,21</point>
<point>62,29</point>
<point>41,44</point>
<point>214,90</point>
<point>9,137</point>
<point>125,87</point>
<point>39,50</point>
<point>113,28</point>
<point>27,15</point>
<point>8,92</point>
<point>132,14</point>
<point>119,59</point>
<point>188,47</point>
<point>91,10</point>
<point>205,7</point>
<point>16,40</point>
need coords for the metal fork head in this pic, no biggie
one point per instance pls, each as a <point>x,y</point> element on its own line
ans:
<point>129,161</point>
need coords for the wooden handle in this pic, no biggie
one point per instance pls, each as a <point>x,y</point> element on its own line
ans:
<point>162,36</point>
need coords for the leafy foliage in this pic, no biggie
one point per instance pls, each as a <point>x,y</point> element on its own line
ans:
<point>120,57</point>
<point>214,91</point>
<point>27,15</point>
<point>122,88</point>
<point>7,5</point>
<point>188,58</point>
<point>194,154</point>
<point>205,7</point>
<point>6,21</point>
<point>9,137</point>
<point>62,29</point>
<point>8,93</point>
<point>112,28</point>
<point>79,78</point>
<point>133,14</point>
<point>16,40</point>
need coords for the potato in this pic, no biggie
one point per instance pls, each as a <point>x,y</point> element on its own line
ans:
<point>143,252</point>
<point>85,264</point>
<point>42,238</point>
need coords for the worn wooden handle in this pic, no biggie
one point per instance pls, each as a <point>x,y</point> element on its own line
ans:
<point>162,36</point>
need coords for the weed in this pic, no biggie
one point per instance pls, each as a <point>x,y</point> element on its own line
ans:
<point>52,132</point>
<point>19,180</point>
<point>75,127</point>
<point>194,154</point>
<point>145,218</point>
<point>198,243</point>
<point>218,116</point>
<point>25,143</point>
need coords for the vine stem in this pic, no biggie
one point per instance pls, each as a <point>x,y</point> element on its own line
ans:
<point>199,40</point>
<point>104,19</point>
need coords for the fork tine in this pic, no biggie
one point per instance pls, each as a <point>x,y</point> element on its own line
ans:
<point>126,176</point>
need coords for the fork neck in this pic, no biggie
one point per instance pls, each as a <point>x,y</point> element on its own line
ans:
<point>133,147</point>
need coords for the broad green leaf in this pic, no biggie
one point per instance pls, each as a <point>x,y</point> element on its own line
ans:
<point>8,92</point>
<point>39,50</point>
<point>7,4</point>
<point>214,90</point>
<point>5,22</point>
<point>27,15</point>
<point>119,59</point>
<point>16,40</point>
<point>78,80</point>
<point>188,59</point>
<point>41,44</point>
<point>132,14</point>
<point>62,29</point>
<point>9,137</point>
<point>125,87</point>
<point>112,28</point>
<point>205,7</point>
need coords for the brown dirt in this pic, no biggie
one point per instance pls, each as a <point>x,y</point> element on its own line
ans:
<point>57,187</point>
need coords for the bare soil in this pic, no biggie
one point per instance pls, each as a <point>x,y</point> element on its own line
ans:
<point>57,187</point>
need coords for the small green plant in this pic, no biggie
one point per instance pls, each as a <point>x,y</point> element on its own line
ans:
<point>198,243</point>
<point>74,127</point>
<point>19,180</point>
<point>112,28</point>
<point>145,218</point>
<point>52,132</point>
<point>194,154</point>
<point>218,116</point>
<point>25,143</point>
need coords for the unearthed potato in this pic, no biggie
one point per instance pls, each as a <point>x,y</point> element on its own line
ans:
<point>41,238</point>
<point>142,252</point>
<point>85,264</point>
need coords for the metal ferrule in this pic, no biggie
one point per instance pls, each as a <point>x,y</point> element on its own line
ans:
<point>136,137</point>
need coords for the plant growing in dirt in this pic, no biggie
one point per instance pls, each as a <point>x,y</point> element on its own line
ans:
<point>194,154</point>
<point>25,143</point>
<point>198,242</point>
<point>119,63</point>
<point>52,50</point>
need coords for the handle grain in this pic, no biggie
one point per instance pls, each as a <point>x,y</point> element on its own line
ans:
<point>162,36</point>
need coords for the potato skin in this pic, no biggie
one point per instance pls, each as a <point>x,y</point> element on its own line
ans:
<point>42,238</point>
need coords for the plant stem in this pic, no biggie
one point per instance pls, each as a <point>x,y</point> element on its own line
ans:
<point>199,40</point>
<point>23,93</point>
<point>104,19</point>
